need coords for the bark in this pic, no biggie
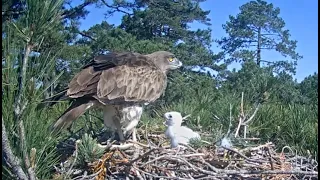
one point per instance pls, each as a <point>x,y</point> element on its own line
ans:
<point>259,47</point>
<point>23,75</point>
<point>23,146</point>
<point>11,159</point>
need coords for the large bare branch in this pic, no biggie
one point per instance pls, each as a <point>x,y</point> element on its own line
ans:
<point>19,106</point>
<point>115,8</point>
<point>23,145</point>
<point>241,117</point>
<point>68,13</point>
<point>11,159</point>
<point>252,116</point>
<point>87,36</point>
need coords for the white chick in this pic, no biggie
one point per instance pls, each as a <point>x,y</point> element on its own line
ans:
<point>176,132</point>
<point>225,142</point>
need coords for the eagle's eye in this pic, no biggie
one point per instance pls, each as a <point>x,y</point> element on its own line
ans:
<point>171,59</point>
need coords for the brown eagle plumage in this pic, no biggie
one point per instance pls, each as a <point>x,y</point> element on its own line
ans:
<point>116,81</point>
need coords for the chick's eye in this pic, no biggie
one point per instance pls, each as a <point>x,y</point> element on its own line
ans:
<point>170,116</point>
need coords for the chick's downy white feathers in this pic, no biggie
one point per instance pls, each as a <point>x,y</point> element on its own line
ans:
<point>176,132</point>
<point>173,119</point>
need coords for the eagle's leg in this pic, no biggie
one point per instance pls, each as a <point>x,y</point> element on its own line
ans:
<point>69,129</point>
<point>134,134</point>
<point>130,128</point>
<point>116,122</point>
<point>111,120</point>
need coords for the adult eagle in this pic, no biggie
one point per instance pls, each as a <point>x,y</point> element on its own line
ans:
<point>118,83</point>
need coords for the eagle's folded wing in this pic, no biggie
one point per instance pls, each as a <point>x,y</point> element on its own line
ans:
<point>122,78</point>
<point>138,84</point>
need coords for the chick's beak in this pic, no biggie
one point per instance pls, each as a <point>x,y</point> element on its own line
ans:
<point>165,119</point>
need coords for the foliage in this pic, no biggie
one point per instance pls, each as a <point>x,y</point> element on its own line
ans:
<point>294,124</point>
<point>252,80</point>
<point>309,88</point>
<point>43,48</point>
<point>88,150</point>
<point>164,19</point>
<point>256,28</point>
<point>36,123</point>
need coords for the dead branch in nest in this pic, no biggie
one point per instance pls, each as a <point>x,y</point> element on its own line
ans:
<point>141,156</point>
<point>243,156</point>
<point>243,120</point>
<point>86,176</point>
<point>269,144</point>
<point>114,147</point>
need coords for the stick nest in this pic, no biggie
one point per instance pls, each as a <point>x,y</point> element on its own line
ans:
<point>152,158</point>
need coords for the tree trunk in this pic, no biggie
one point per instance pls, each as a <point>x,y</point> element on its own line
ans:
<point>259,47</point>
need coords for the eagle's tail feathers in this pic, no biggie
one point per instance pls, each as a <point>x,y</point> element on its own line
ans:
<point>70,115</point>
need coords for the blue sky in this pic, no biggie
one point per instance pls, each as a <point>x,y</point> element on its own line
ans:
<point>301,18</point>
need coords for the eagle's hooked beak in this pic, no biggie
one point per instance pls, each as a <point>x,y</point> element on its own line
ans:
<point>175,64</point>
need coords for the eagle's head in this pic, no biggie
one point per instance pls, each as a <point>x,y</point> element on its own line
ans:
<point>173,118</point>
<point>165,60</point>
